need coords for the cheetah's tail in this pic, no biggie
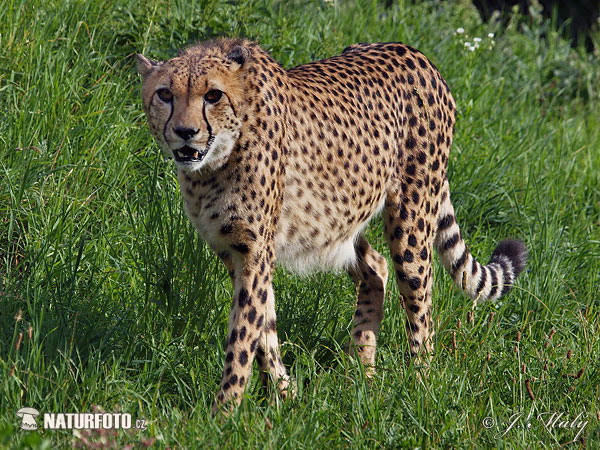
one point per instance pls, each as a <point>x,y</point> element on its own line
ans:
<point>480,282</point>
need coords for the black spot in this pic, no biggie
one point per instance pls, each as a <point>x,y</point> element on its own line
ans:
<point>263,297</point>
<point>241,248</point>
<point>229,357</point>
<point>413,326</point>
<point>403,213</point>
<point>252,315</point>
<point>243,358</point>
<point>408,256</point>
<point>414,283</point>
<point>243,298</point>
<point>242,333</point>
<point>227,228</point>
<point>233,336</point>
<point>412,240</point>
<point>398,232</point>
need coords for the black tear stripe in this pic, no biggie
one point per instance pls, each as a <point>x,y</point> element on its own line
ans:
<point>208,127</point>
<point>231,104</point>
<point>189,87</point>
<point>167,123</point>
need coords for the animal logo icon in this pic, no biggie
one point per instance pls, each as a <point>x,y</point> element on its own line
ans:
<point>28,416</point>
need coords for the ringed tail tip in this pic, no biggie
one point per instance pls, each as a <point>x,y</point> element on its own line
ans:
<point>515,251</point>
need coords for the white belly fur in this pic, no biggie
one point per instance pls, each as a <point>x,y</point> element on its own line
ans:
<point>306,259</point>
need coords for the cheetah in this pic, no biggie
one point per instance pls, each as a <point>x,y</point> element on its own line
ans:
<point>291,165</point>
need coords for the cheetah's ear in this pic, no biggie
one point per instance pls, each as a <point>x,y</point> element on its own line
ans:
<point>239,55</point>
<point>144,65</point>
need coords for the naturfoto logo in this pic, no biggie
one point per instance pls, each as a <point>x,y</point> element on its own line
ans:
<point>79,421</point>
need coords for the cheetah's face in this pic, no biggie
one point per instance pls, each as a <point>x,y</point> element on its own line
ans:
<point>192,104</point>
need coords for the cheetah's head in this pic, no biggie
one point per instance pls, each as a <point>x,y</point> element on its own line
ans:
<point>193,101</point>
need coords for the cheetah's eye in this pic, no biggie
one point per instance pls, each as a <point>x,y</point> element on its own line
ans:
<point>213,96</point>
<point>165,95</point>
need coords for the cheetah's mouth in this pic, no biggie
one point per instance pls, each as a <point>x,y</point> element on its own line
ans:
<point>189,154</point>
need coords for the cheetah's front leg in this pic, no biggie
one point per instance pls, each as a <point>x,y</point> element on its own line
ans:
<point>268,355</point>
<point>251,329</point>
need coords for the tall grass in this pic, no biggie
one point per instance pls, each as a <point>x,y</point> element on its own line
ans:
<point>109,299</point>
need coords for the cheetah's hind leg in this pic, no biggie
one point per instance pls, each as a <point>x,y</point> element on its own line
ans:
<point>370,276</point>
<point>410,239</point>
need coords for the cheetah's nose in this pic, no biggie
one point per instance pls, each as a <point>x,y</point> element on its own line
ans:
<point>185,133</point>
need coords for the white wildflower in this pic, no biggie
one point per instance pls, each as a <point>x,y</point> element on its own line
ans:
<point>472,48</point>
<point>460,30</point>
<point>467,44</point>
<point>491,35</point>
<point>477,39</point>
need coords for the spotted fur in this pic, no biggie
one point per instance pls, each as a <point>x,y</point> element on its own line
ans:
<point>291,165</point>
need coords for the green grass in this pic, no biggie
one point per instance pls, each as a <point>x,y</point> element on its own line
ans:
<point>108,298</point>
